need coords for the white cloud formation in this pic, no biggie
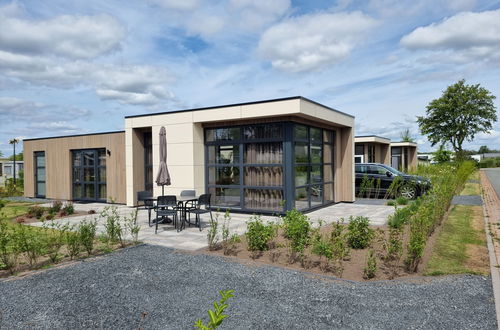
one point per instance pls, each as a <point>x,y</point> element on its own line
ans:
<point>254,14</point>
<point>80,37</point>
<point>465,36</point>
<point>311,42</point>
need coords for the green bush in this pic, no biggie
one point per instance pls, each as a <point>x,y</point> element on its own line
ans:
<point>371,265</point>
<point>73,242</point>
<point>9,249</point>
<point>258,234</point>
<point>401,200</point>
<point>30,242</point>
<point>297,229</point>
<point>359,234</point>
<point>87,232</point>
<point>35,211</point>
<point>55,207</point>
<point>216,315</point>
<point>68,208</point>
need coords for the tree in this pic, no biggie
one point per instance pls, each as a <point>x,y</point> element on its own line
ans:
<point>19,156</point>
<point>483,150</point>
<point>442,155</point>
<point>458,115</point>
<point>406,136</point>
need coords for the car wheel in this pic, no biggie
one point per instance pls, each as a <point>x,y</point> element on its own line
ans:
<point>408,192</point>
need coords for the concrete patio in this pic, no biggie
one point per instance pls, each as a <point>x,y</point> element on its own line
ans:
<point>192,239</point>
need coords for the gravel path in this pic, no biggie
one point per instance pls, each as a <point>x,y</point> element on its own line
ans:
<point>175,289</point>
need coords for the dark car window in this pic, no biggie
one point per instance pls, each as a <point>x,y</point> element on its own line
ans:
<point>378,170</point>
<point>361,169</point>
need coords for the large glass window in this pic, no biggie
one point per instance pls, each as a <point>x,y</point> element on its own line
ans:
<point>89,174</point>
<point>313,166</point>
<point>40,174</point>
<point>148,161</point>
<point>371,153</point>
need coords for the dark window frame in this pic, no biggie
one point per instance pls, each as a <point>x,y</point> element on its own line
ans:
<point>37,154</point>
<point>96,167</point>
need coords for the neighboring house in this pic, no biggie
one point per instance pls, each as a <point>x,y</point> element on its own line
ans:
<point>425,158</point>
<point>480,157</point>
<point>403,155</point>
<point>7,169</point>
<point>266,156</point>
<point>372,149</point>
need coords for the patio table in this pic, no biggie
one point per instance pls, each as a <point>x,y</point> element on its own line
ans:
<point>182,202</point>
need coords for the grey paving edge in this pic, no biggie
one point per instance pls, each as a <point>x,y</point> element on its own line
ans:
<point>474,200</point>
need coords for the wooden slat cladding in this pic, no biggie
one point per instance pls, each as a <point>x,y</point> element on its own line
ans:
<point>58,164</point>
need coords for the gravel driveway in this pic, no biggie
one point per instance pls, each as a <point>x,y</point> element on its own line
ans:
<point>175,289</point>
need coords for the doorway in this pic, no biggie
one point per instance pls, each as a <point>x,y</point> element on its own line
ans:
<point>89,175</point>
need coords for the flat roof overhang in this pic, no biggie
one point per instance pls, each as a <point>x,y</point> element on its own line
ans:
<point>292,106</point>
<point>371,139</point>
<point>403,144</point>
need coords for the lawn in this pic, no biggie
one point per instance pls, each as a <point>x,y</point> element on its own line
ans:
<point>461,244</point>
<point>14,209</point>
<point>471,189</point>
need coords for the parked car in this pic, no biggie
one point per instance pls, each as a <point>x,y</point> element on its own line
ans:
<point>411,187</point>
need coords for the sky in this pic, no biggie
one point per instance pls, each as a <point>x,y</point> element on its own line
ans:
<point>76,67</point>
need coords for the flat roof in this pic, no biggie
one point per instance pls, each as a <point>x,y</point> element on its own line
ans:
<point>75,135</point>
<point>368,136</point>
<point>404,144</point>
<point>241,104</point>
<point>371,139</point>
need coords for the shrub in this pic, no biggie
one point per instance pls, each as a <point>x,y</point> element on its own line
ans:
<point>401,200</point>
<point>55,207</point>
<point>112,226</point>
<point>87,232</point>
<point>216,315</point>
<point>297,229</point>
<point>391,203</point>
<point>213,229</point>
<point>322,248</point>
<point>31,242</point>
<point>35,212</point>
<point>68,208</point>
<point>2,204</point>
<point>371,265</point>
<point>258,234</point>
<point>225,232</point>
<point>9,249</point>
<point>55,238</point>
<point>359,233</point>
<point>73,242</point>
<point>132,226</point>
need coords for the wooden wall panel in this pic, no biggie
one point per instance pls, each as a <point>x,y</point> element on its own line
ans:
<point>58,163</point>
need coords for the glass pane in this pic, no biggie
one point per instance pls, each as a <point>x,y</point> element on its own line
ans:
<point>264,199</point>
<point>301,176</point>
<point>89,191</point>
<point>267,131</point>
<point>88,158</point>
<point>77,172</point>
<point>102,191</point>
<point>328,192</point>
<point>88,175</point>
<point>228,197</point>
<point>301,200</point>
<point>327,136</point>
<point>395,150</point>
<point>210,135</point>
<point>230,133</point>
<point>301,152</point>
<point>328,150</point>
<point>328,173</point>
<point>102,174</point>
<point>316,175</point>
<point>316,134</point>
<point>359,149</point>
<point>102,157</point>
<point>40,174</point>
<point>40,160</point>
<point>40,188</point>
<point>263,176</point>
<point>224,175</point>
<point>77,158</point>
<point>316,195</point>
<point>264,153</point>
<point>316,154</point>
<point>224,154</point>
<point>300,132</point>
<point>77,191</point>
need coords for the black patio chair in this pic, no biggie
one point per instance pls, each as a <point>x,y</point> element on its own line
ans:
<point>191,204</point>
<point>148,204</point>
<point>166,206</point>
<point>201,206</point>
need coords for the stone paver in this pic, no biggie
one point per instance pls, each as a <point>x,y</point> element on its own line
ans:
<point>192,238</point>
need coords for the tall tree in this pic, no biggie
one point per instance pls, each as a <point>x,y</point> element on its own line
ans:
<point>458,115</point>
<point>406,136</point>
<point>483,150</point>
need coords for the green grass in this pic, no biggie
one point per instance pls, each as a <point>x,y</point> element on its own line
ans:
<point>471,189</point>
<point>450,253</point>
<point>14,209</point>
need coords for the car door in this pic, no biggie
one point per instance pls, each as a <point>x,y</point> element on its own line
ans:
<point>380,172</point>
<point>361,170</point>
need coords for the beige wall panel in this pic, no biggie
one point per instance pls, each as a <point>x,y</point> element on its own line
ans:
<point>219,114</point>
<point>58,163</point>
<point>181,117</point>
<point>322,113</point>
<point>270,109</point>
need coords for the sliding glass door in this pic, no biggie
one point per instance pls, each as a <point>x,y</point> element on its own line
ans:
<point>89,174</point>
<point>40,174</point>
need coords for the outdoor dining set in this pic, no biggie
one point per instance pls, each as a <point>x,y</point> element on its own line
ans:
<point>173,209</point>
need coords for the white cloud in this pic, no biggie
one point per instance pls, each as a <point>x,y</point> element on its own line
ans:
<point>80,37</point>
<point>465,36</point>
<point>313,41</point>
<point>254,14</point>
<point>204,25</point>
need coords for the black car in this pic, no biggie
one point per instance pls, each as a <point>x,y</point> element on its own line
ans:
<point>411,186</point>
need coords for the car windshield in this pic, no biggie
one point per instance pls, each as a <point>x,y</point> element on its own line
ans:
<point>394,171</point>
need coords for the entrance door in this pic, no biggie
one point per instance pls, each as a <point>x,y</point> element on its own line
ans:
<point>40,174</point>
<point>89,175</point>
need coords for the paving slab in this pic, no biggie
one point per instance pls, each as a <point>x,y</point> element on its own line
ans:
<point>474,200</point>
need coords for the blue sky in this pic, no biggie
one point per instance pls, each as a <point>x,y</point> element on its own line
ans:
<point>71,67</point>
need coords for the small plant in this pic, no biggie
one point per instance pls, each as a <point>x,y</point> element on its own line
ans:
<point>87,232</point>
<point>73,243</point>
<point>213,229</point>
<point>31,242</point>
<point>35,212</point>
<point>225,232</point>
<point>322,248</point>
<point>112,226</point>
<point>216,315</point>
<point>9,249</point>
<point>68,208</point>
<point>359,233</point>
<point>55,207</point>
<point>132,226</point>
<point>259,235</point>
<point>401,200</point>
<point>298,230</point>
<point>391,203</point>
<point>54,239</point>
<point>371,265</point>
